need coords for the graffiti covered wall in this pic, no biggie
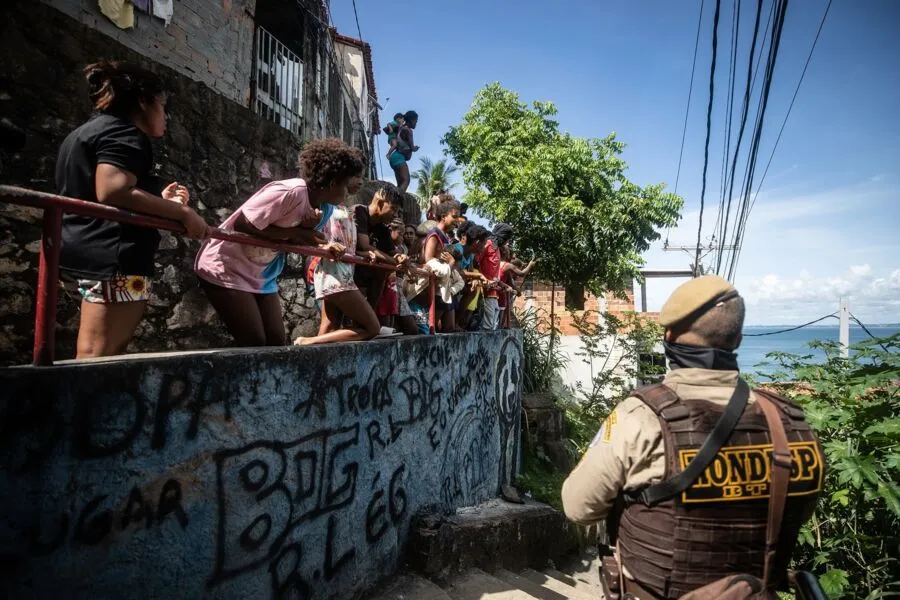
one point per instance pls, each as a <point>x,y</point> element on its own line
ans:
<point>247,473</point>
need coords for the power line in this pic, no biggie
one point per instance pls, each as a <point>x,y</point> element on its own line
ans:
<point>784,122</point>
<point>791,106</point>
<point>834,314</point>
<point>356,15</point>
<point>688,109</point>
<point>709,108</point>
<point>724,231</point>
<point>777,29</point>
<point>726,141</point>
<point>745,110</point>
<point>866,329</point>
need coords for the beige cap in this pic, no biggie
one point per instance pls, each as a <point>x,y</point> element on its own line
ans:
<point>693,298</point>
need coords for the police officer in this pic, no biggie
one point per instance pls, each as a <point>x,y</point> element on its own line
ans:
<point>669,545</point>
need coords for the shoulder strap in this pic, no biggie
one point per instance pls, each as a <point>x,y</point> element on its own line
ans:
<point>670,488</point>
<point>657,397</point>
<point>778,488</point>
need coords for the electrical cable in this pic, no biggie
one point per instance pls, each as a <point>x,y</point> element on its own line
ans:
<point>834,314</point>
<point>791,106</point>
<point>745,109</point>
<point>777,30</point>
<point>688,109</point>
<point>726,141</point>
<point>712,90</point>
<point>356,15</point>
<point>866,329</point>
<point>723,232</point>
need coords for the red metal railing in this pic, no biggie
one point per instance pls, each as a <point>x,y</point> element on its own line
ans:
<point>48,271</point>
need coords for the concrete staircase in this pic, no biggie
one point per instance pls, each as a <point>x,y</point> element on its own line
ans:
<point>570,583</point>
<point>496,551</point>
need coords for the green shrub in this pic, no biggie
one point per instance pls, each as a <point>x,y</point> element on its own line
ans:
<point>853,540</point>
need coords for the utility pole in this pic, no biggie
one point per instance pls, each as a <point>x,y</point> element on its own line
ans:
<point>844,335</point>
<point>702,252</point>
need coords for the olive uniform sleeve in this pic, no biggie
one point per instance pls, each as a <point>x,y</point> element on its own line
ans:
<point>627,453</point>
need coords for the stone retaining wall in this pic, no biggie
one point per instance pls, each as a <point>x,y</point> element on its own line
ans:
<point>247,473</point>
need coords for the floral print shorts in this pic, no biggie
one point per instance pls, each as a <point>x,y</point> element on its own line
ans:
<point>122,288</point>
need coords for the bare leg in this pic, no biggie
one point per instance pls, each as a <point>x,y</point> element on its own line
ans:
<point>106,329</point>
<point>331,318</point>
<point>408,325</point>
<point>401,174</point>
<point>240,312</point>
<point>353,305</point>
<point>272,318</point>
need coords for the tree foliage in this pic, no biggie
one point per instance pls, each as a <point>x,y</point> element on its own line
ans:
<point>567,197</point>
<point>853,540</point>
<point>432,177</point>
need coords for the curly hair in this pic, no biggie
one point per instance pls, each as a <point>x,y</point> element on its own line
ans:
<point>324,163</point>
<point>391,193</point>
<point>445,208</point>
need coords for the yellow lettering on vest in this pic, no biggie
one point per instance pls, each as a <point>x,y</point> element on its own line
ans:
<point>737,465</point>
<point>744,473</point>
<point>759,469</point>
<point>732,491</point>
<point>608,425</point>
<point>757,490</point>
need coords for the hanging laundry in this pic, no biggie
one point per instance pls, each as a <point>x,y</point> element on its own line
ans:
<point>120,12</point>
<point>142,5</point>
<point>164,9</point>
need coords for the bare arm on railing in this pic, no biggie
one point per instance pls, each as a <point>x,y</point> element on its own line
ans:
<point>303,234</point>
<point>366,249</point>
<point>117,187</point>
<point>517,271</point>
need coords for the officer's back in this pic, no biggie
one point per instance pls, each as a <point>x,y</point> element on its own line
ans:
<point>669,546</point>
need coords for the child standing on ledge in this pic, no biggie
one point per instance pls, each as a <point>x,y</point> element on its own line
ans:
<point>241,280</point>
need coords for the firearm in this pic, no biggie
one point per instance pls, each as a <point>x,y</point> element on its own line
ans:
<point>806,586</point>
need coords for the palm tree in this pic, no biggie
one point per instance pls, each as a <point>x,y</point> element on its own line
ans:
<point>433,177</point>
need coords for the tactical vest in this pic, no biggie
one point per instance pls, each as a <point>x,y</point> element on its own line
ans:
<point>718,525</point>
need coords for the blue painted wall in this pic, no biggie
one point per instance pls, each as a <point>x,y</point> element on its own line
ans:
<point>247,473</point>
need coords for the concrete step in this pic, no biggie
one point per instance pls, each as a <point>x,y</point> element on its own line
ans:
<point>579,582</point>
<point>534,588</point>
<point>408,586</point>
<point>475,584</point>
<point>558,586</point>
<point>492,535</point>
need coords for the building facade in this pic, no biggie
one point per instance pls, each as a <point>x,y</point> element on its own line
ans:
<point>249,82</point>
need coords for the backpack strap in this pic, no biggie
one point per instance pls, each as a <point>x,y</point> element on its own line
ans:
<point>778,487</point>
<point>664,490</point>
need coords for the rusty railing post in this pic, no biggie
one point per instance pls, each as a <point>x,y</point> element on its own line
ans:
<point>48,278</point>
<point>432,315</point>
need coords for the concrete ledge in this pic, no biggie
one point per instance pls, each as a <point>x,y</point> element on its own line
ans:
<point>492,535</point>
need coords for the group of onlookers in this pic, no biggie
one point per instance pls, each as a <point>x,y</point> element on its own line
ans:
<point>109,266</point>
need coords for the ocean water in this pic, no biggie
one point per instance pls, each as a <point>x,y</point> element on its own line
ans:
<point>753,349</point>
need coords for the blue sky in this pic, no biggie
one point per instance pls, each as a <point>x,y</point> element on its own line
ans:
<point>827,220</point>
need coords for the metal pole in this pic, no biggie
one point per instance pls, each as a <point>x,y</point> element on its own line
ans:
<point>644,295</point>
<point>48,277</point>
<point>844,336</point>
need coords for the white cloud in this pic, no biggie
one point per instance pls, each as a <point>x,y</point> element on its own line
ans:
<point>803,251</point>
<point>772,299</point>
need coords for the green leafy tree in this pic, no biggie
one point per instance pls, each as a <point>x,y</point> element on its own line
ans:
<point>853,540</point>
<point>432,177</point>
<point>566,197</point>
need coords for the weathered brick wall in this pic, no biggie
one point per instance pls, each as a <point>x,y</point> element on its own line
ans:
<point>216,147</point>
<point>542,298</point>
<point>208,40</point>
